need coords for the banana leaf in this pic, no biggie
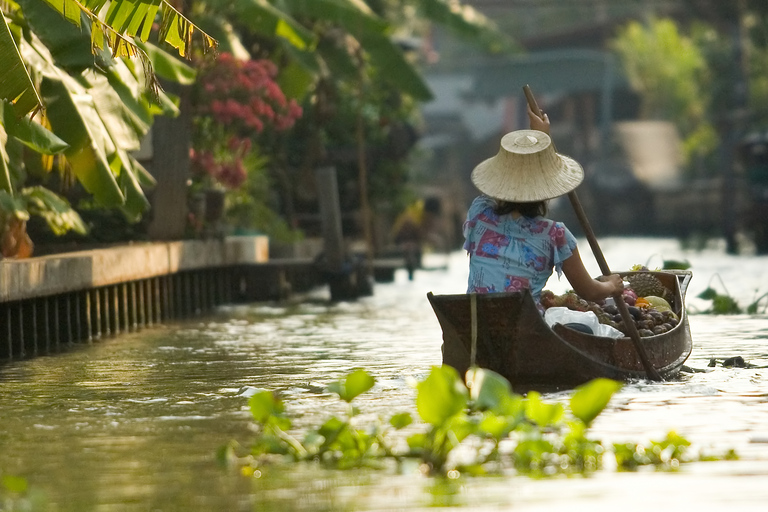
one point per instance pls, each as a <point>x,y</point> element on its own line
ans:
<point>56,211</point>
<point>30,133</point>
<point>393,66</point>
<point>15,83</point>
<point>466,22</point>
<point>167,66</point>
<point>263,18</point>
<point>72,114</point>
<point>222,30</point>
<point>5,172</point>
<point>354,16</point>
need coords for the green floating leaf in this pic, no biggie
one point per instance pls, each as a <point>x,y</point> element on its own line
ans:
<point>589,400</point>
<point>354,384</point>
<point>708,294</point>
<point>676,265</point>
<point>441,395</point>
<point>542,413</point>
<point>15,484</point>
<point>495,426</point>
<point>401,420</point>
<point>487,389</point>
<point>725,305</point>
<point>264,405</point>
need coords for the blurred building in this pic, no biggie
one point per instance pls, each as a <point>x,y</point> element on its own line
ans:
<point>634,182</point>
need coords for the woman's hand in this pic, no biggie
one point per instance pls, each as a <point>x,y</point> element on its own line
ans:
<point>538,123</point>
<point>615,282</point>
<point>586,287</point>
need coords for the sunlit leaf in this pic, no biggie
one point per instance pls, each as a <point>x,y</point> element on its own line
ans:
<point>15,83</point>
<point>15,484</point>
<point>487,388</point>
<point>441,395</point>
<point>29,132</point>
<point>167,66</point>
<point>401,420</point>
<point>67,8</point>
<point>589,400</point>
<point>55,210</point>
<point>354,384</point>
<point>543,413</point>
<point>177,31</point>
<point>74,117</point>
<point>494,425</point>
<point>263,405</point>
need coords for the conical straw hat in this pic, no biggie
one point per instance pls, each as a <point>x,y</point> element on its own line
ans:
<point>527,169</point>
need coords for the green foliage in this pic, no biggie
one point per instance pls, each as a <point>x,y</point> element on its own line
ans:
<point>671,74</point>
<point>721,304</point>
<point>589,401</point>
<point>496,428</point>
<point>354,384</point>
<point>676,265</point>
<point>665,67</point>
<point>41,202</point>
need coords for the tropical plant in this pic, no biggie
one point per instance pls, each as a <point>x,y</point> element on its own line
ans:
<point>97,107</point>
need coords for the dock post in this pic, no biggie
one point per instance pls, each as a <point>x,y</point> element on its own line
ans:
<point>342,274</point>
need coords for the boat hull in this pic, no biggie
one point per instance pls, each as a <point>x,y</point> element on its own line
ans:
<point>512,339</point>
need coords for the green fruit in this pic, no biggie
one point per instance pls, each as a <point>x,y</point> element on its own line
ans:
<point>658,303</point>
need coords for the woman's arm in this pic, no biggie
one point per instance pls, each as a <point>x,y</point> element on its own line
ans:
<point>583,284</point>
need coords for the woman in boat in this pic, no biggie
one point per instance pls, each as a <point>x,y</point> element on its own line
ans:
<point>511,244</point>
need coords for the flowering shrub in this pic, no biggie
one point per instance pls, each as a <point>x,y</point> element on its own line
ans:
<point>237,104</point>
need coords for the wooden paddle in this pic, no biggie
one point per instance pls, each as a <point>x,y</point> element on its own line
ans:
<point>626,316</point>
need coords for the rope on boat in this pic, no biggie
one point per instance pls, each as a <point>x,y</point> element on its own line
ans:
<point>473,313</point>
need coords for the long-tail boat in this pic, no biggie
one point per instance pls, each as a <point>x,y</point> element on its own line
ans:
<point>506,333</point>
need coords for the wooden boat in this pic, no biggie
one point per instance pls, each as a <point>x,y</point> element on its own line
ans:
<point>512,339</point>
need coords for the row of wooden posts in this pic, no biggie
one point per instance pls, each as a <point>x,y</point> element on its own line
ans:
<point>43,325</point>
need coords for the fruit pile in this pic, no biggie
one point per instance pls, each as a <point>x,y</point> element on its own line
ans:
<point>647,300</point>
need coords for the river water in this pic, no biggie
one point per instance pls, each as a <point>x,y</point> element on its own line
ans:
<point>133,423</point>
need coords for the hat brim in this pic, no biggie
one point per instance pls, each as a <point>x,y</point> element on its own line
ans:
<point>498,178</point>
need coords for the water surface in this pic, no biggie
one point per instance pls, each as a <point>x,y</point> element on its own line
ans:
<point>134,422</point>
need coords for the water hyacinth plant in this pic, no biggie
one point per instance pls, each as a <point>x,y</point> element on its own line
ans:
<point>481,427</point>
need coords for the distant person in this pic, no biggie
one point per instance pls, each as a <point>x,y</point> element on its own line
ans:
<point>413,227</point>
<point>510,243</point>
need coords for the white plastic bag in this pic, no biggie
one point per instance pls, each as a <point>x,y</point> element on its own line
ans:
<point>558,315</point>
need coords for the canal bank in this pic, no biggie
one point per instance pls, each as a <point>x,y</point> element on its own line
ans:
<point>50,301</point>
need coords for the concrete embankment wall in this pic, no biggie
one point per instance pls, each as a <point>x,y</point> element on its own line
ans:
<point>50,301</point>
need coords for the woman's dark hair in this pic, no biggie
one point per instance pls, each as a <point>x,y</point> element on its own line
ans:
<point>525,209</point>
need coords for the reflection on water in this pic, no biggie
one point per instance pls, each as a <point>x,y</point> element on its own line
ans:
<point>133,423</point>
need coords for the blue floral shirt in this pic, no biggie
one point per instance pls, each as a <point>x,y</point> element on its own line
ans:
<point>509,254</point>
